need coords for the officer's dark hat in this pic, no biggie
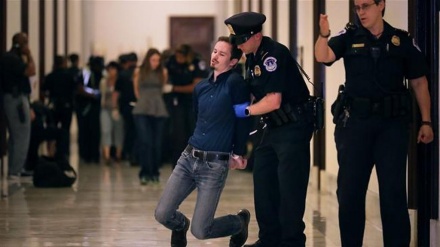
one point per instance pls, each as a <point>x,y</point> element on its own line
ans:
<point>243,25</point>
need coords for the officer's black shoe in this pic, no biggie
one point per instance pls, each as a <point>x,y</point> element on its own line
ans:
<point>178,238</point>
<point>237,240</point>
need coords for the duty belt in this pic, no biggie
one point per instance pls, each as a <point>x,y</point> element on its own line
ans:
<point>287,113</point>
<point>389,106</point>
<point>206,155</point>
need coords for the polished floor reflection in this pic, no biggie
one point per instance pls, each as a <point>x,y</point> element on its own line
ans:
<point>108,207</point>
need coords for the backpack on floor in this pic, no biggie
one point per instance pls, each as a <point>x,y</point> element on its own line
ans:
<point>53,172</point>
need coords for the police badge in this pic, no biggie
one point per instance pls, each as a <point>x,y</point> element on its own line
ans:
<point>395,40</point>
<point>257,70</point>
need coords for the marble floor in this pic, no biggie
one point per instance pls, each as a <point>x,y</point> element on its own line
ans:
<point>108,207</point>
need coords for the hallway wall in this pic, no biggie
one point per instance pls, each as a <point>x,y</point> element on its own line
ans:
<point>115,27</point>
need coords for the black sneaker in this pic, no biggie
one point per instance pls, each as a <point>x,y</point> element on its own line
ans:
<point>237,240</point>
<point>178,238</point>
<point>143,180</point>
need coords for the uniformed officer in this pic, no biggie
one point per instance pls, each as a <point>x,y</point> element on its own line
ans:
<point>282,159</point>
<point>371,117</point>
<point>185,70</point>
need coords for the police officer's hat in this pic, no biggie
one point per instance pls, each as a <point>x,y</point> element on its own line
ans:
<point>243,25</point>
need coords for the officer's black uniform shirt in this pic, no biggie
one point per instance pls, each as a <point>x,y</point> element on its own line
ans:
<point>217,128</point>
<point>273,70</point>
<point>367,76</point>
<point>61,86</point>
<point>75,72</point>
<point>13,78</point>
<point>124,85</point>
<point>183,74</point>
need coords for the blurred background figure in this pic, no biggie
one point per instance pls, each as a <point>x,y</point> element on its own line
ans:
<point>185,70</point>
<point>126,100</point>
<point>74,67</point>
<point>17,65</point>
<point>88,109</point>
<point>149,114</point>
<point>112,129</point>
<point>43,128</point>
<point>58,89</point>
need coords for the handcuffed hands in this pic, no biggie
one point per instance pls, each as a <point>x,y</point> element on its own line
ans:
<point>167,88</point>
<point>240,110</point>
<point>237,162</point>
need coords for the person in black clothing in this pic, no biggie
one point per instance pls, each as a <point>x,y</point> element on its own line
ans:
<point>282,159</point>
<point>88,106</point>
<point>371,116</point>
<point>43,128</point>
<point>124,92</point>
<point>16,66</point>
<point>60,87</point>
<point>74,68</point>
<point>184,71</point>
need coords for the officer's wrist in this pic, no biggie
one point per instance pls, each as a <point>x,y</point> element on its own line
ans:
<point>429,123</point>
<point>325,36</point>
<point>247,111</point>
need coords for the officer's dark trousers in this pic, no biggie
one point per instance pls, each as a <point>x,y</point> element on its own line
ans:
<point>360,145</point>
<point>89,133</point>
<point>63,116</point>
<point>129,149</point>
<point>281,174</point>
<point>182,124</point>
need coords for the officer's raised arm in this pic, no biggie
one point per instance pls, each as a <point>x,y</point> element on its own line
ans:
<point>323,53</point>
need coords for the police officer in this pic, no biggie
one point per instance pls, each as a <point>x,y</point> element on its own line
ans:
<point>185,70</point>
<point>282,159</point>
<point>59,87</point>
<point>371,117</point>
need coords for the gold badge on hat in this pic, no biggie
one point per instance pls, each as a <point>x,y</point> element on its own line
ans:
<point>395,40</point>
<point>191,67</point>
<point>231,29</point>
<point>257,70</point>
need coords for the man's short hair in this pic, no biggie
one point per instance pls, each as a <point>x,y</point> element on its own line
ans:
<point>235,52</point>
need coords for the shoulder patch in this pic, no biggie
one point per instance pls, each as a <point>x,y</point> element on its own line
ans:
<point>351,26</point>
<point>341,32</point>
<point>270,63</point>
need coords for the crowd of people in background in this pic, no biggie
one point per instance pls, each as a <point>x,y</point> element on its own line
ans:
<point>123,108</point>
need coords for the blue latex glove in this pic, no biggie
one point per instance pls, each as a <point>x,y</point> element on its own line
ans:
<point>240,109</point>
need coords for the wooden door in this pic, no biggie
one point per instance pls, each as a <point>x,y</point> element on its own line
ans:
<point>195,31</point>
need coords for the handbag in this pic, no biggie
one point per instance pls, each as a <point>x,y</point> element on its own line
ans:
<point>53,172</point>
<point>316,104</point>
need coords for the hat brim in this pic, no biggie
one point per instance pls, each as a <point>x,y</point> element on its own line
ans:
<point>239,39</point>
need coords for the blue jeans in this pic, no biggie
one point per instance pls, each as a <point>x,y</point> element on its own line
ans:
<point>209,179</point>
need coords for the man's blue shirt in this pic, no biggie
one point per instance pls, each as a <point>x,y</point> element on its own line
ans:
<point>217,128</point>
